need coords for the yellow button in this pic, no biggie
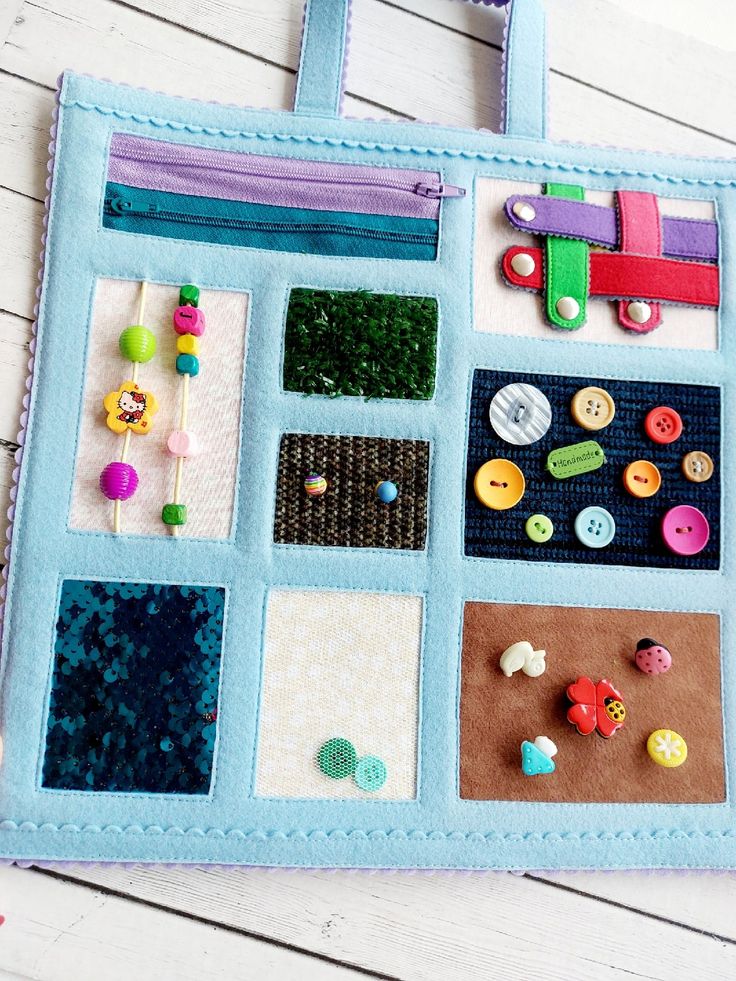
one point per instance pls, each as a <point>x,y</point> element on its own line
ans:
<point>642,479</point>
<point>499,484</point>
<point>697,466</point>
<point>667,747</point>
<point>187,344</point>
<point>592,408</point>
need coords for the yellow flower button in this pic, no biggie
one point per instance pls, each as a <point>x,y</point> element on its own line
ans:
<point>130,408</point>
<point>592,408</point>
<point>667,747</point>
<point>499,484</point>
<point>642,479</point>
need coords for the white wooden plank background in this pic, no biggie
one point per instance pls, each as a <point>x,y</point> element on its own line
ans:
<point>657,74</point>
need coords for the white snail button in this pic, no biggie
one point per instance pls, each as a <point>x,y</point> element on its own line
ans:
<point>567,307</point>
<point>639,312</point>
<point>522,264</point>
<point>520,414</point>
<point>524,211</point>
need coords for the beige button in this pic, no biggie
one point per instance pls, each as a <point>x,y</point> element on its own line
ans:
<point>524,211</point>
<point>639,312</point>
<point>522,264</point>
<point>592,408</point>
<point>567,307</point>
<point>697,466</point>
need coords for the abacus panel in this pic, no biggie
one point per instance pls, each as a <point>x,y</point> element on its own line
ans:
<point>339,665</point>
<point>638,540</point>
<point>501,309</point>
<point>349,513</point>
<point>134,692</point>
<point>497,713</point>
<point>209,478</point>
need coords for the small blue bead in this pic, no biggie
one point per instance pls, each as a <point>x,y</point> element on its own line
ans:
<point>187,364</point>
<point>387,491</point>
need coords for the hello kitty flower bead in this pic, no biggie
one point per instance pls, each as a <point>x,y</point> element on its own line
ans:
<point>130,408</point>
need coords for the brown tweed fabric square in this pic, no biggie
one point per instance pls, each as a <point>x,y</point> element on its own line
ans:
<point>349,513</point>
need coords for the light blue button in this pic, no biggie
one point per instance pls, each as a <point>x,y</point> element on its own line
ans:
<point>595,527</point>
<point>370,773</point>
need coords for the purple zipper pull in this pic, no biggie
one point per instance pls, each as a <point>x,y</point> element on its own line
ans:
<point>439,191</point>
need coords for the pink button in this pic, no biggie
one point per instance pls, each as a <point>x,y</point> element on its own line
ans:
<point>189,320</point>
<point>685,530</point>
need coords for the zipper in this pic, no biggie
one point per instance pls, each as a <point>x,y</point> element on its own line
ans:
<point>118,205</point>
<point>157,165</point>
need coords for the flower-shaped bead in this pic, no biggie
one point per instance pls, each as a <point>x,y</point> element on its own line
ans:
<point>130,408</point>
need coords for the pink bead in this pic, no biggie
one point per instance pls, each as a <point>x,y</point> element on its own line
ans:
<point>189,320</point>
<point>651,657</point>
<point>118,481</point>
<point>183,442</point>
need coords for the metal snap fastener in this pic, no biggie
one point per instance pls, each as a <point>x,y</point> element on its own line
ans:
<point>567,307</point>
<point>523,264</point>
<point>524,211</point>
<point>639,312</point>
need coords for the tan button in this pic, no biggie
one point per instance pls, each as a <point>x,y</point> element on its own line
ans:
<point>592,408</point>
<point>697,466</point>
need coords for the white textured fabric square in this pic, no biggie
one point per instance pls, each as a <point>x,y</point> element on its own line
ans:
<point>501,309</point>
<point>339,664</point>
<point>208,486</point>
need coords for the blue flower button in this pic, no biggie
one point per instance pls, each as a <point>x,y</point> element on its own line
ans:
<point>595,527</point>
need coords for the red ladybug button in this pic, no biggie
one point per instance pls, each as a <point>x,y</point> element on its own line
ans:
<point>663,425</point>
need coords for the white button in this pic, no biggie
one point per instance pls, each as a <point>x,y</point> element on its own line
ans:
<point>567,307</point>
<point>522,264</point>
<point>524,211</point>
<point>639,311</point>
<point>520,414</point>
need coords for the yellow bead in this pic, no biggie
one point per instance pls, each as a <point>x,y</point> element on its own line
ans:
<point>187,344</point>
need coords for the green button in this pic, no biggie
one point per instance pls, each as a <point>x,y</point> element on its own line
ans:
<point>189,296</point>
<point>571,461</point>
<point>539,528</point>
<point>370,773</point>
<point>174,514</point>
<point>337,758</point>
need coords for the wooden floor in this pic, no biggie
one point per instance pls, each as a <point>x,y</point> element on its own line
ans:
<point>641,73</point>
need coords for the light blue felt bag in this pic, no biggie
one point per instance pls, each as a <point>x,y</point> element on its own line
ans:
<point>177,697</point>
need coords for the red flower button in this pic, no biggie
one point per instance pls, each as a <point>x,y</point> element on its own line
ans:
<point>663,425</point>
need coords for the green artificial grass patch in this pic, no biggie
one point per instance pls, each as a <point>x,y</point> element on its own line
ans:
<point>371,344</point>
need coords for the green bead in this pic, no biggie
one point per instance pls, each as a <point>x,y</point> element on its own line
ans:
<point>138,344</point>
<point>174,514</point>
<point>189,296</point>
<point>337,758</point>
<point>187,364</point>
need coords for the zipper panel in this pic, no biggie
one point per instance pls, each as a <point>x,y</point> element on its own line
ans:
<point>280,181</point>
<point>266,227</point>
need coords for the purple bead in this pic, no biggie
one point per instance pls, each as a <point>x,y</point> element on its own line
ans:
<point>118,481</point>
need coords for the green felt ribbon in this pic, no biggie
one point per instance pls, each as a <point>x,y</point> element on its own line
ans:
<point>567,264</point>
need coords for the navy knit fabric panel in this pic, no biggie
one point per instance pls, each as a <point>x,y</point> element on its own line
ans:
<point>638,542</point>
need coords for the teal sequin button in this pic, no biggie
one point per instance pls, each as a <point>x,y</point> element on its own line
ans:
<point>370,773</point>
<point>337,758</point>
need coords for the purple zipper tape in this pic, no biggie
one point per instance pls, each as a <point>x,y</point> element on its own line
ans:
<point>184,169</point>
<point>682,238</point>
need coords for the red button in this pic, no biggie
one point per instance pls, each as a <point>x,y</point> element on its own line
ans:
<point>663,425</point>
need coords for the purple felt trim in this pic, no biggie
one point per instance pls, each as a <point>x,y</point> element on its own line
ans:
<point>160,166</point>
<point>682,238</point>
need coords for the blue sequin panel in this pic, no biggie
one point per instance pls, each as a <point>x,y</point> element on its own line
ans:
<point>133,704</point>
<point>638,540</point>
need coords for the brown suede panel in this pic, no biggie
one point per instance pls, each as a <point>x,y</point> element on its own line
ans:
<point>497,713</point>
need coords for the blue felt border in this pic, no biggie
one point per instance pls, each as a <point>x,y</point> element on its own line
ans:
<point>436,830</point>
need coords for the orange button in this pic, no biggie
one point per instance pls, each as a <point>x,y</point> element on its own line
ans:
<point>499,484</point>
<point>642,479</point>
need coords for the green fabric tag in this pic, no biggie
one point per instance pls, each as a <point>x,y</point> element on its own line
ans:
<point>571,461</point>
<point>567,266</point>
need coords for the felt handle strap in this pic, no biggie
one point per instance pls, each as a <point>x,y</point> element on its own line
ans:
<point>641,233</point>
<point>320,79</point>
<point>566,262</point>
